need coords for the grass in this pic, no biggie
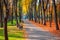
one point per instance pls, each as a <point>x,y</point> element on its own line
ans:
<point>1,34</point>
<point>13,33</point>
<point>9,23</point>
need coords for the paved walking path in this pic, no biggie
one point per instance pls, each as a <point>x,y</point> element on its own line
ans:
<point>35,33</point>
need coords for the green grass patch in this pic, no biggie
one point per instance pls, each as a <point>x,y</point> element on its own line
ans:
<point>10,24</point>
<point>13,33</point>
<point>1,34</point>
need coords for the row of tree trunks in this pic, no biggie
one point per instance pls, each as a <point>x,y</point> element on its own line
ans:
<point>42,15</point>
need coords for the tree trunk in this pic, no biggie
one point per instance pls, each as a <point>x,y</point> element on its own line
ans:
<point>35,15</point>
<point>44,9</point>
<point>50,16</point>
<point>12,16</point>
<point>5,28</point>
<point>50,19</point>
<point>44,21</point>
<point>30,11</point>
<point>1,12</point>
<point>5,19</point>
<point>55,15</point>
<point>59,20</point>
<point>41,17</point>
<point>16,13</point>
<point>39,10</point>
<point>1,18</point>
<point>16,18</point>
<point>20,13</point>
<point>59,17</point>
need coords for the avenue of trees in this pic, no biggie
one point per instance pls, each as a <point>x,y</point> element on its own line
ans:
<point>42,12</point>
<point>46,10</point>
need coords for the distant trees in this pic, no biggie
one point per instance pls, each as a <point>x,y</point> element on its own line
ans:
<point>12,13</point>
<point>15,4</point>
<point>41,13</point>
<point>30,11</point>
<point>35,12</point>
<point>20,13</point>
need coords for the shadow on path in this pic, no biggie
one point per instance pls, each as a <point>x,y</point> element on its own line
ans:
<point>35,33</point>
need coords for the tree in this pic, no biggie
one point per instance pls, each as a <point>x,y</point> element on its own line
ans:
<point>5,19</point>
<point>50,14</point>
<point>29,14</point>
<point>39,10</point>
<point>20,13</point>
<point>55,15</point>
<point>44,9</point>
<point>59,17</point>
<point>30,11</point>
<point>50,19</point>
<point>12,13</point>
<point>15,4</point>
<point>1,12</point>
<point>20,10</point>
<point>35,14</point>
<point>41,13</point>
<point>44,21</point>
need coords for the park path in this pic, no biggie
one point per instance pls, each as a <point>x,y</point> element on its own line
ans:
<point>35,33</point>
